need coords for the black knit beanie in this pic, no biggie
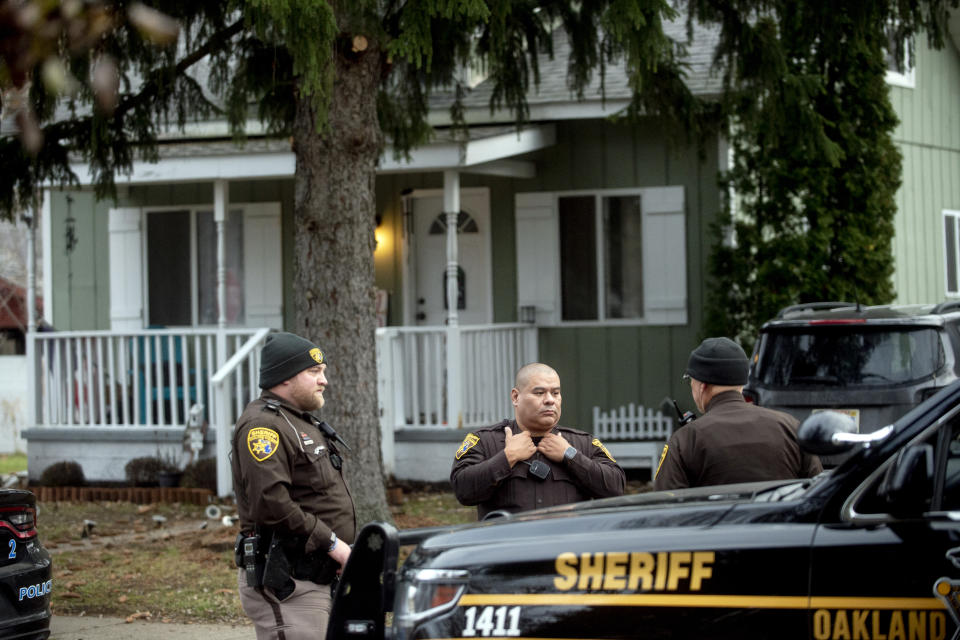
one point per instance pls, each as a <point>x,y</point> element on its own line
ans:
<point>285,355</point>
<point>719,361</point>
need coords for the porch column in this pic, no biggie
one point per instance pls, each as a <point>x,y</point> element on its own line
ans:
<point>31,220</point>
<point>220,195</point>
<point>219,408</point>
<point>451,208</point>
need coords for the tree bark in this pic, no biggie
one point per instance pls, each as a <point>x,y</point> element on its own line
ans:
<point>334,212</point>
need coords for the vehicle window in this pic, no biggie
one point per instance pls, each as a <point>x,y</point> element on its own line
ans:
<point>839,356</point>
<point>946,461</point>
<point>951,484</point>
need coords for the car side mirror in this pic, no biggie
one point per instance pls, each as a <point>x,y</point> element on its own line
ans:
<point>816,434</point>
<point>908,482</point>
<point>831,432</point>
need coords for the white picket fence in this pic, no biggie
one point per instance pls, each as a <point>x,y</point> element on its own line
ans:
<point>634,435</point>
<point>631,422</point>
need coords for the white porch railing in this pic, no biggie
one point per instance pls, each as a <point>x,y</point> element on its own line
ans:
<point>152,378</point>
<point>415,383</point>
<point>133,378</point>
<point>234,386</point>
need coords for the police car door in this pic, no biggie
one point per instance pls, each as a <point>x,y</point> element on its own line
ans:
<point>889,567</point>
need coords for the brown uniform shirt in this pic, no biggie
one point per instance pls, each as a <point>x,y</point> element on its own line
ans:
<point>734,442</point>
<point>283,476</point>
<point>482,476</point>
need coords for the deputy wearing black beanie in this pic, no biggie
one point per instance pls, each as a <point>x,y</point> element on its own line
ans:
<point>285,355</point>
<point>291,494</point>
<point>733,441</point>
<point>719,361</point>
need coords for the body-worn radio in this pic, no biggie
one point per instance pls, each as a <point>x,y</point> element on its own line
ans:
<point>245,556</point>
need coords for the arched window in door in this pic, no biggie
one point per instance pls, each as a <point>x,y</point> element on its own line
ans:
<point>465,224</point>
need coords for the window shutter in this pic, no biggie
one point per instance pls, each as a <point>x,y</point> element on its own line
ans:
<point>262,269</point>
<point>664,255</point>
<point>537,255</point>
<point>126,269</point>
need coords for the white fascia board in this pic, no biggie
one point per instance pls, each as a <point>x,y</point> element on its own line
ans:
<point>504,168</point>
<point>538,113</point>
<point>483,155</point>
<point>486,156</point>
<point>202,169</point>
<point>434,157</point>
<point>209,129</point>
<point>508,145</point>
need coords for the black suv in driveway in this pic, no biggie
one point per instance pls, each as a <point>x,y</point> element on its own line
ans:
<point>870,549</point>
<point>25,571</point>
<point>874,363</point>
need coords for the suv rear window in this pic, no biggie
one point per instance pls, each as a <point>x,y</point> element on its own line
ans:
<point>831,356</point>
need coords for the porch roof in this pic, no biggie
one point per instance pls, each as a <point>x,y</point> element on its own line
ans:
<point>490,150</point>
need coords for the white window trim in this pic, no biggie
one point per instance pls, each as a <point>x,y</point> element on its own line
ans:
<point>601,320</point>
<point>908,78</point>
<point>193,210</point>
<point>954,214</point>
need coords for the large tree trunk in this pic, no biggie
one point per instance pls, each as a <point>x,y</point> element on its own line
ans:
<point>333,289</point>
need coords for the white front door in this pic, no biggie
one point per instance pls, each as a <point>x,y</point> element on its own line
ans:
<point>430,260</point>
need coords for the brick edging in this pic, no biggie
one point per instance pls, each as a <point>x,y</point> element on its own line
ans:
<point>138,495</point>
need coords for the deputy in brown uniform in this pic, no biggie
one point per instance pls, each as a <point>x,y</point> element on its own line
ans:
<point>733,441</point>
<point>296,513</point>
<point>530,462</point>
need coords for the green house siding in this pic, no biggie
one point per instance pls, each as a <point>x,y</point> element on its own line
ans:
<point>81,280</point>
<point>601,365</point>
<point>929,139</point>
<point>613,366</point>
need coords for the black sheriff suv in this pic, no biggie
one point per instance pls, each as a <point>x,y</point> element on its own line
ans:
<point>867,550</point>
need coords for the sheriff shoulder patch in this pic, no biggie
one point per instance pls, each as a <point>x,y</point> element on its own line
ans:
<point>596,442</point>
<point>467,443</point>
<point>262,442</point>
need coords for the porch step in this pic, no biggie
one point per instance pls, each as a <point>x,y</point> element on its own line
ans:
<point>137,495</point>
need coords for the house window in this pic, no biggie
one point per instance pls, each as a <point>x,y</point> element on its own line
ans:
<point>601,279</point>
<point>900,71</point>
<point>182,268</point>
<point>951,235</point>
<point>616,256</point>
